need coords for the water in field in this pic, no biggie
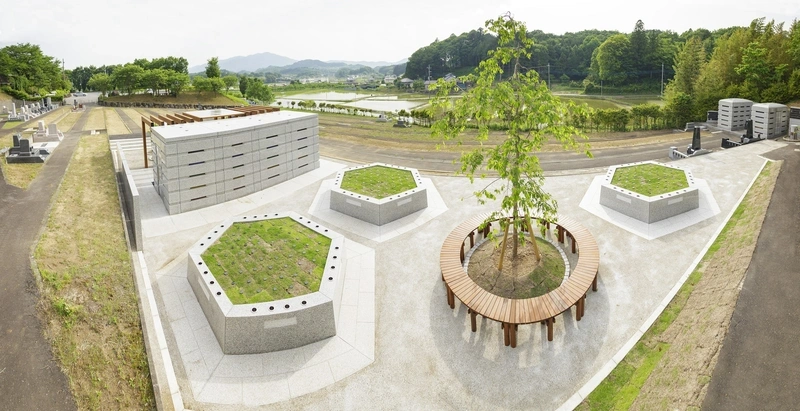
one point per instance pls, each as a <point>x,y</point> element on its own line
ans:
<point>327,96</point>
<point>387,105</point>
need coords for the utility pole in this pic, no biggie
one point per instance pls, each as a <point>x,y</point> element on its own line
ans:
<point>429,72</point>
<point>548,77</point>
<point>662,79</point>
<point>601,87</point>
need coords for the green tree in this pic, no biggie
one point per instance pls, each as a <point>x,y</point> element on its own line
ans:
<point>520,104</point>
<point>30,70</point>
<point>243,83</point>
<point>128,77</point>
<point>230,81</point>
<point>201,84</point>
<point>688,65</point>
<point>257,90</point>
<point>639,49</point>
<point>613,59</point>
<point>757,71</point>
<point>155,79</point>
<point>176,82</point>
<point>212,68</point>
<point>101,82</point>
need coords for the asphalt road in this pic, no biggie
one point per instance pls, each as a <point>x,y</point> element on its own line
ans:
<point>442,162</point>
<point>759,363</point>
<point>30,378</point>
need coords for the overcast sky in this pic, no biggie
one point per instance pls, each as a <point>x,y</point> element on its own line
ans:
<point>101,32</point>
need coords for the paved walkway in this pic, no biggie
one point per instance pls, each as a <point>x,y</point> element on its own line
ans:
<point>30,379</point>
<point>759,361</point>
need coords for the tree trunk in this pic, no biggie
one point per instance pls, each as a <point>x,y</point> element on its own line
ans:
<point>513,220</point>
<point>533,239</point>
<point>503,249</point>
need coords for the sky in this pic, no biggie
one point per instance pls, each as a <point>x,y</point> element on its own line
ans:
<point>101,32</point>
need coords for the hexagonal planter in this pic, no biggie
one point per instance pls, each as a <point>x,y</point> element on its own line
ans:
<point>649,209</point>
<point>364,206</point>
<point>260,326</point>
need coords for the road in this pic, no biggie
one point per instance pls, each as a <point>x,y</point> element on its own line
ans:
<point>441,162</point>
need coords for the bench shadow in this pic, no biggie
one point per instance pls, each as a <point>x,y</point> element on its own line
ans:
<point>537,373</point>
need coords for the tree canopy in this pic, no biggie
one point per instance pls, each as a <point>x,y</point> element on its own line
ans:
<point>508,95</point>
<point>30,71</point>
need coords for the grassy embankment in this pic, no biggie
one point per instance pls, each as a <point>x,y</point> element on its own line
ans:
<point>88,301</point>
<point>671,365</point>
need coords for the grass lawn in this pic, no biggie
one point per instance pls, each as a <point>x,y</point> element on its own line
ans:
<point>88,302</point>
<point>11,124</point>
<point>186,97</point>
<point>673,361</point>
<point>20,175</point>
<point>268,260</point>
<point>650,179</point>
<point>378,181</point>
<point>595,103</point>
<point>96,120</point>
<point>67,122</point>
<point>114,124</point>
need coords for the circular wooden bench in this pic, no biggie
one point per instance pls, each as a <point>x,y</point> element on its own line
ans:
<point>512,312</point>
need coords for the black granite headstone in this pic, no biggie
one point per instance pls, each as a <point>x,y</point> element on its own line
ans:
<point>696,139</point>
<point>24,147</point>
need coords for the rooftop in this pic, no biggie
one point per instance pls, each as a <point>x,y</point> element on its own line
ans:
<point>225,126</point>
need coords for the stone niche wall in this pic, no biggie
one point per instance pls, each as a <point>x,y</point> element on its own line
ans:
<point>649,209</point>
<point>378,211</point>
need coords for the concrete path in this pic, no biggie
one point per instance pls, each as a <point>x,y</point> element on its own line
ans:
<point>30,379</point>
<point>759,361</point>
<point>134,126</point>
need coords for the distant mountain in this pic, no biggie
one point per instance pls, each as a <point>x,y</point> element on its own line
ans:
<point>252,62</point>
<point>372,64</point>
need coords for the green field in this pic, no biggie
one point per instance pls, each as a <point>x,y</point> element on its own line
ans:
<point>268,260</point>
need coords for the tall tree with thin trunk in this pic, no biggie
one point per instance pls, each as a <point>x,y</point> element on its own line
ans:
<point>212,68</point>
<point>508,96</point>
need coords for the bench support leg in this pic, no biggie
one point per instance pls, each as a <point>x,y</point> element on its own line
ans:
<point>573,244</point>
<point>550,322</point>
<point>512,334</point>
<point>473,321</point>
<point>594,283</point>
<point>583,306</point>
<point>450,297</point>
<point>506,336</point>
<point>462,252</point>
<point>471,239</point>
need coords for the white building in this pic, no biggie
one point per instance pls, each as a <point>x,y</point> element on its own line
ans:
<point>733,113</point>
<point>210,162</point>
<point>770,120</point>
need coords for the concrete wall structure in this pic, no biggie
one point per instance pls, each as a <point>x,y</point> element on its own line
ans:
<point>733,113</point>
<point>200,164</point>
<point>130,196</point>
<point>378,211</point>
<point>644,208</point>
<point>275,325</point>
<point>770,120</point>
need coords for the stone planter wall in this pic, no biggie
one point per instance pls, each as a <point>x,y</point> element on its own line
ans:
<point>276,325</point>
<point>377,211</point>
<point>649,209</point>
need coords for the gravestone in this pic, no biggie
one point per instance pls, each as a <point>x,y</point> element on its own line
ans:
<point>49,102</point>
<point>41,127</point>
<point>5,110</point>
<point>14,109</point>
<point>24,147</point>
<point>52,130</point>
<point>696,139</point>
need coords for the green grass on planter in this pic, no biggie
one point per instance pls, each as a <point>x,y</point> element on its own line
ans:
<point>268,260</point>
<point>650,179</point>
<point>378,181</point>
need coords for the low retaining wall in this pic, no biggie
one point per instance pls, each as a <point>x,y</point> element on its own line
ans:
<point>378,211</point>
<point>130,195</point>
<point>275,325</point>
<point>649,209</point>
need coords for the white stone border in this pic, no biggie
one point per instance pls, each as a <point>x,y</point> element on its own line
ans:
<point>275,325</point>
